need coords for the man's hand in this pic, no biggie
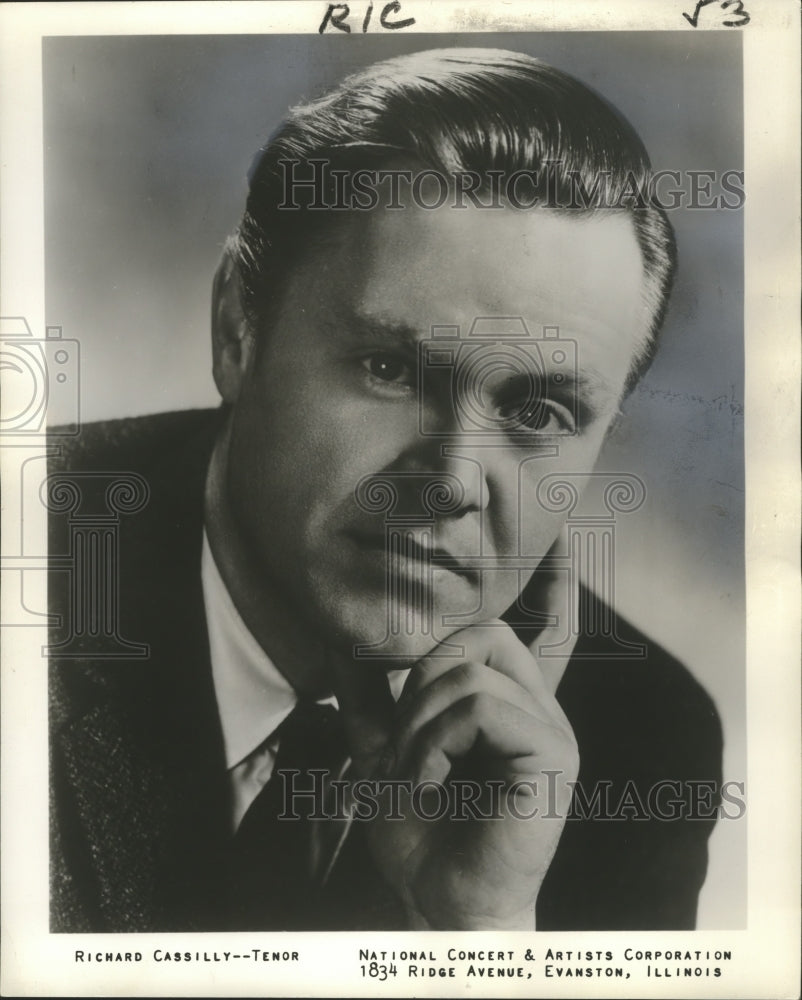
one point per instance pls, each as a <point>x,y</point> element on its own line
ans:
<point>486,717</point>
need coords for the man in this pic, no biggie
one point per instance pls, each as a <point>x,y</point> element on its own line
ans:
<point>362,527</point>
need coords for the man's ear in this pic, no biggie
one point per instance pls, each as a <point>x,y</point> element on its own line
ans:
<point>232,339</point>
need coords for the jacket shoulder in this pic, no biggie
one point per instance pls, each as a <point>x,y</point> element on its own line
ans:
<point>156,599</point>
<point>130,443</point>
<point>622,682</point>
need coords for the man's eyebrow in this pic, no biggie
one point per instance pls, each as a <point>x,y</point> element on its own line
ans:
<point>371,328</point>
<point>586,383</point>
<point>588,391</point>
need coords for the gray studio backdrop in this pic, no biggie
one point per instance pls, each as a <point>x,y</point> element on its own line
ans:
<point>147,143</point>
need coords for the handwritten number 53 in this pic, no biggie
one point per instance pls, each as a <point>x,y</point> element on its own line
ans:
<point>738,11</point>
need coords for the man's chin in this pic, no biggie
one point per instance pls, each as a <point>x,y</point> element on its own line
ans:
<point>396,644</point>
<point>389,652</point>
<point>398,649</point>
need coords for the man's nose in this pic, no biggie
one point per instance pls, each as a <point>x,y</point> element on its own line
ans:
<point>444,474</point>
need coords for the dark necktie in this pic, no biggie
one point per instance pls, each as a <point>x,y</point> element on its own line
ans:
<point>275,863</point>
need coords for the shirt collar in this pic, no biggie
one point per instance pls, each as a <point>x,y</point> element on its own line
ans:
<point>253,696</point>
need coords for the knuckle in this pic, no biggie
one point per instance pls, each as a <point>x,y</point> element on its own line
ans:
<point>424,671</point>
<point>469,674</point>
<point>479,704</point>
<point>502,632</point>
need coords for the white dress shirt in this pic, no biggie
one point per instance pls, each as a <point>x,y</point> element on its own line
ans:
<point>253,696</point>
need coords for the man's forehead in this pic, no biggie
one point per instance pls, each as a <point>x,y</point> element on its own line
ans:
<point>414,269</point>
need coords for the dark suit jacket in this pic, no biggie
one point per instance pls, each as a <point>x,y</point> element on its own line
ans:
<point>139,811</point>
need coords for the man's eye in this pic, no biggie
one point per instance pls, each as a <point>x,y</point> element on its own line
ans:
<point>540,415</point>
<point>388,368</point>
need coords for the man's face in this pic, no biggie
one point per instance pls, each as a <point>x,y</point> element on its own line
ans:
<point>333,396</point>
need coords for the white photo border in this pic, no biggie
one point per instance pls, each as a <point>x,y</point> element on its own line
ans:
<point>765,959</point>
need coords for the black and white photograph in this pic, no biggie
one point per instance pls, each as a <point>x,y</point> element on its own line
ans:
<point>380,451</point>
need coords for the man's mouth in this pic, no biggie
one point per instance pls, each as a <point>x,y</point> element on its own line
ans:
<point>406,546</point>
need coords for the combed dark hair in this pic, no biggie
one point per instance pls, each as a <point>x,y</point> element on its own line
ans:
<point>452,110</point>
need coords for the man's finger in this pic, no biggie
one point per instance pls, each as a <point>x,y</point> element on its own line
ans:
<point>502,731</point>
<point>495,644</point>
<point>461,682</point>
